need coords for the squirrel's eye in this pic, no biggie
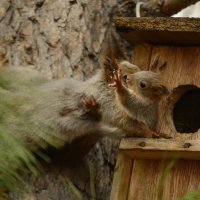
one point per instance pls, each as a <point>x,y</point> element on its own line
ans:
<point>142,85</point>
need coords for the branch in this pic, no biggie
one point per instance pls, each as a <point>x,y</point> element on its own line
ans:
<point>164,7</point>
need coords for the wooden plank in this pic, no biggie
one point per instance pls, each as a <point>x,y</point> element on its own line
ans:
<point>182,68</point>
<point>122,177</point>
<point>160,144</point>
<point>183,178</point>
<point>163,180</point>
<point>144,180</point>
<point>145,50</point>
<point>160,30</point>
<point>161,148</point>
<point>161,155</point>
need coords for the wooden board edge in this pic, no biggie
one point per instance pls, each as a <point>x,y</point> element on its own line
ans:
<point>122,176</point>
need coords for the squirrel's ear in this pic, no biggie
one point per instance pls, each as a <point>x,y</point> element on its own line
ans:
<point>160,89</point>
<point>107,64</point>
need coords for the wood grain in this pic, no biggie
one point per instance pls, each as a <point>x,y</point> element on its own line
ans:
<point>122,177</point>
<point>144,180</point>
<point>161,149</point>
<point>160,144</point>
<point>183,68</point>
<point>163,180</point>
<point>145,50</point>
<point>160,30</point>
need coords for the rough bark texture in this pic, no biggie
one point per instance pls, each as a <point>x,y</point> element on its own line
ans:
<point>63,38</point>
<point>60,38</point>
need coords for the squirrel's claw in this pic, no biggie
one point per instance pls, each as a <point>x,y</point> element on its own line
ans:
<point>89,103</point>
<point>112,84</point>
<point>161,135</point>
<point>116,79</point>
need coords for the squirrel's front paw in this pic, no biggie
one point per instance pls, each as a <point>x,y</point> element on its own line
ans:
<point>91,109</point>
<point>160,135</point>
<point>90,104</point>
<point>153,134</point>
<point>116,79</point>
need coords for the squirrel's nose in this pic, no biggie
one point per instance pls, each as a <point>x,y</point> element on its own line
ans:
<point>128,79</point>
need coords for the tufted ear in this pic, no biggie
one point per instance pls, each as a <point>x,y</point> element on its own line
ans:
<point>159,89</point>
<point>128,68</point>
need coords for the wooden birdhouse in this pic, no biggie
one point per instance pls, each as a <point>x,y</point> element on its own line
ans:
<point>161,169</point>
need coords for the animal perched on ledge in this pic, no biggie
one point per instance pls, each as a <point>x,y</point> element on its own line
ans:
<point>139,97</point>
<point>42,112</point>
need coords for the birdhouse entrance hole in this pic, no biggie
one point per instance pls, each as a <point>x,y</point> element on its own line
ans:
<point>186,109</point>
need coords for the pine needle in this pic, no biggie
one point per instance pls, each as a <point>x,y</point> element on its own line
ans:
<point>25,125</point>
<point>71,187</point>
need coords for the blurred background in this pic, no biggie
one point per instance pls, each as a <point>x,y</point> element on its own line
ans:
<point>68,38</point>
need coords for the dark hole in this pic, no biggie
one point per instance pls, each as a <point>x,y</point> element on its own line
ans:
<point>186,113</point>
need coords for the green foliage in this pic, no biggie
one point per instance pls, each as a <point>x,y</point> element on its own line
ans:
<point>166,167</point>
<point>14,159</point>
<point>72,188</point>
<point>25,125</point>
<point>75,191</point>
<point>92,181</point>
<point>191,196</point>
<point>25,108</point>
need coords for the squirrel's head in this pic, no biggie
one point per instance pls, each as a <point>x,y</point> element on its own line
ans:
<point>147,84</point>
<point>127,68</point>
<point>112,64</point>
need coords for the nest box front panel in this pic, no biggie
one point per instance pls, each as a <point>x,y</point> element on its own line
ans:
<point>180,111</point>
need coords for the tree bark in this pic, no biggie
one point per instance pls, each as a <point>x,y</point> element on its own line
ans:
<point>61,39</point>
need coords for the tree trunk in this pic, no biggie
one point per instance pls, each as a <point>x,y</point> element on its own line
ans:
<point>62,38</point>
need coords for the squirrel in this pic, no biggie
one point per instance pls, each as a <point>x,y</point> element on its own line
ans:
<point>139,93</point>
<point>60,111</point>
<point>116,120</point>
<point>140,96</point>
<point>89,107</point>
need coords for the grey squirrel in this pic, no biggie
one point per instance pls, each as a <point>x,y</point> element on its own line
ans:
<point>62,110</point>
<point>138,94</point>
<point>115,119</point>
<point>139,97</point>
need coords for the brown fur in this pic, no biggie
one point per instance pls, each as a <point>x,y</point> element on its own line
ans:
<point>140,97</point>
<point>62,106</point>
<point>115,116</point>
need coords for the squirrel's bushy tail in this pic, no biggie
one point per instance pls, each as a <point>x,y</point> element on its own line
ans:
<point>25,124</point>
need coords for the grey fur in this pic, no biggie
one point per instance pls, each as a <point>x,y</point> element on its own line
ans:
<point>50,98</point>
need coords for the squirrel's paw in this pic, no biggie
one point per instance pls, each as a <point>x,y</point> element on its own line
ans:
<point>90,104</point>
<point>153,134</point>
<point>116,78</point>
<point>161,135</point>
